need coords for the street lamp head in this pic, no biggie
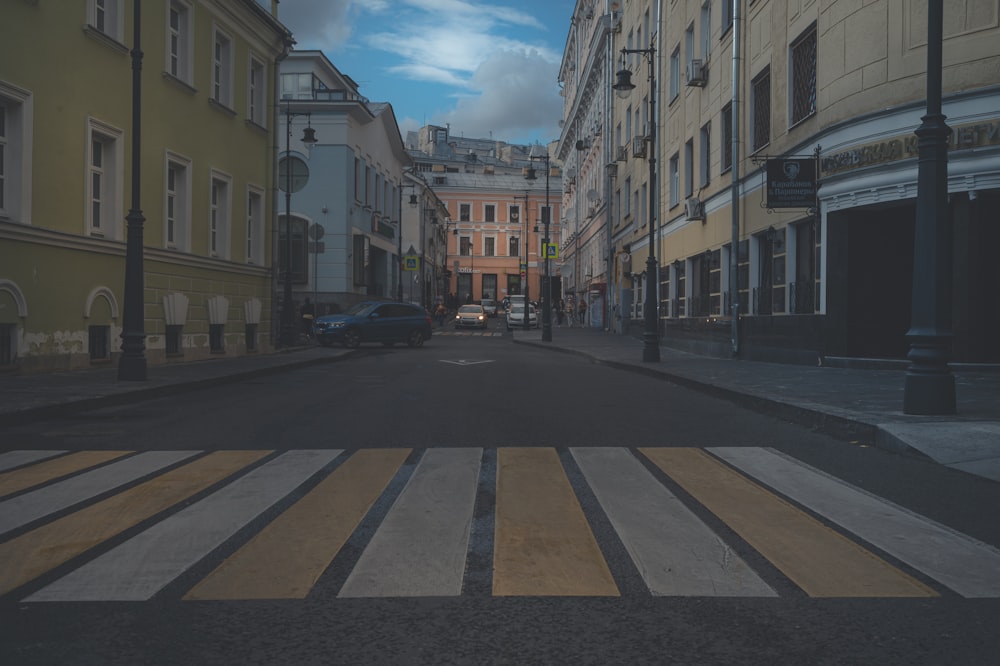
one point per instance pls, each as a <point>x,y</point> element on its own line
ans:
<point>623,86</point>
<point>413,199</point>
<point>309,136</point>
<point>530,174</point>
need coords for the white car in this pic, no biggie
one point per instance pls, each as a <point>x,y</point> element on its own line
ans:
<point>489,306</point>
<point>515,317</point>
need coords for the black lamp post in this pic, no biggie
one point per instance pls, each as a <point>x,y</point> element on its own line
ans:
<point>546,216</point>
<point>288,330</point>
<point>132,365</point>
<point>929,385</point>
<point>623,85</point>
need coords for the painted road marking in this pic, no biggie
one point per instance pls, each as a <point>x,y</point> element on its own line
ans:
<point>816,558</point>
<point>286,558</point>
<point>33,505</point>
<point>143,565</point>
<point>420,548</point>
<point>543,543</point>
<point>13,459</point>
<point>957,561</point>
<point>675,552</point>
<point>43,472</point>
<point>33,553</point>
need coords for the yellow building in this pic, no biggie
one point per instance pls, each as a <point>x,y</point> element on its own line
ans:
<point>828,96</point>
<point>205,191</point>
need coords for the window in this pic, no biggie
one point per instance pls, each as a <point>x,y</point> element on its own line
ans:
<point>675,180</point>
<point>464,212</point>
<point>15,146</point>
<point>299,251</point>
<point>360,257</point>
<point>689,44</point>
<point>257,93</point>
<point>689,168</point>
<point>769,297</point>
<point>8,344</point>
<point>219,217</point>
<point>465,246</point>
<point>299,86</point>
<point>99,343</point>
<point>727,16</point>
<point>726,121</point>
<point>706,29</point>
<point>705,155</point>
<point>179,42</point>
<point>175,346</point>
<point>515,246</point>
<point>644,204</point>
<point>760,109</point>
<point>105,16</point>
<point>255,226</point>
<point>628,197</point>
<point>803,59</point>
<point>357,179</point>
<point>217,338</point>
<point>222,70</point>
<point>546,214</point>
<point>489,212</point>
<point>177,204</point>
<point>675,73</point>
<point>514,214</point>
<point>680,271</point>
<point>104,176</point>
<point>489,246</point>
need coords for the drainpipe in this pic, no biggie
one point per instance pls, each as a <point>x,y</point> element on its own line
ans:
<point>734,254</point>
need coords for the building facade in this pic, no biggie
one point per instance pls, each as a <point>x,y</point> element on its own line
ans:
<point>749,93</point>
<point>345,200</point>
<point>497,197</point>
<point>205,190</point>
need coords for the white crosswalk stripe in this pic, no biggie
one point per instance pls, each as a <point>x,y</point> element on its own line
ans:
<point>419,542</point>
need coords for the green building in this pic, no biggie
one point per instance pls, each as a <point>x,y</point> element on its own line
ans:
<point>207,184</point>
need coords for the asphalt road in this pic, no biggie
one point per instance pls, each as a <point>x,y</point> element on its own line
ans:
<point>542,458</point>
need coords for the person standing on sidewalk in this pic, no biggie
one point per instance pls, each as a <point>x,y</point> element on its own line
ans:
<point>583,312</point>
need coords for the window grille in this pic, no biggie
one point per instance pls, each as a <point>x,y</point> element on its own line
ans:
<point>804,77</point>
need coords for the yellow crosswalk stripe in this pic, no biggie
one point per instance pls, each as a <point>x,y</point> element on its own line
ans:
<point>48,470</point>
<point>816,558</point>
<point>33,553</point>
<point>543,545</point>
<point>287,557</point>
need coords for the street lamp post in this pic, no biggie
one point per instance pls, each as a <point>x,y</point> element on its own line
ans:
<point>546,217</point>
<point>929,386</point>
<point>524,242</point>
<point>132,364</point>
<point>623,85</point>
<point>288,330</point>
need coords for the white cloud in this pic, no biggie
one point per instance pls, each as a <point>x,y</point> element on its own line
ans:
<point>517,96</point>
<point>500,80</point>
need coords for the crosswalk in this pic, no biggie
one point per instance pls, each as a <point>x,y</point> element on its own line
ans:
<point>476,333</point>
<point>445,522</point>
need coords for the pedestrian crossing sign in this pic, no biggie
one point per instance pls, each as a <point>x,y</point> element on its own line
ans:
<point>550,250</point>
<point>411,263</point>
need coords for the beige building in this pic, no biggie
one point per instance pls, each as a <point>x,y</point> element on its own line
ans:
<point>831,87</point>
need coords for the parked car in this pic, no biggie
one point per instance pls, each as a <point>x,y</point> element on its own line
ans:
<point>470,316</point>
<point>490,306</point>
<point>515,317</point>
<point>375,321</point>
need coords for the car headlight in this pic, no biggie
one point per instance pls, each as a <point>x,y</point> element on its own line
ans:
<point>480,317</point>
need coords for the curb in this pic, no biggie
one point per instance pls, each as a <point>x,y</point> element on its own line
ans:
<point>126,397</point>
<point>839,427</point>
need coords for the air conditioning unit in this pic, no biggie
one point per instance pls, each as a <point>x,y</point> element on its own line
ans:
<point>622,153</point>
<point>697,74</point>
<point>694,209</point>
<point>638,146</point>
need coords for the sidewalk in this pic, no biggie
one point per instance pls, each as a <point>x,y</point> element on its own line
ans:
<point>850,404</point>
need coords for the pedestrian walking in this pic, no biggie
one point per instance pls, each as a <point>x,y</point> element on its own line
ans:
<point>307,313</point>
<point>441,311</point>
<point>583,312</point>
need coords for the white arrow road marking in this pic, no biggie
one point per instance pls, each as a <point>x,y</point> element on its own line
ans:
<point>464,362</point>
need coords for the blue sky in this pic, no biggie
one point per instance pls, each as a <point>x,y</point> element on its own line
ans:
<point>487,68</point>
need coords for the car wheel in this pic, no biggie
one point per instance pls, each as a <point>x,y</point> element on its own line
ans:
<point>352,338</point>
<point>415,338</point>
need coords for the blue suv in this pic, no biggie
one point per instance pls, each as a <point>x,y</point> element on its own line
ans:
<point>375,321</point>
